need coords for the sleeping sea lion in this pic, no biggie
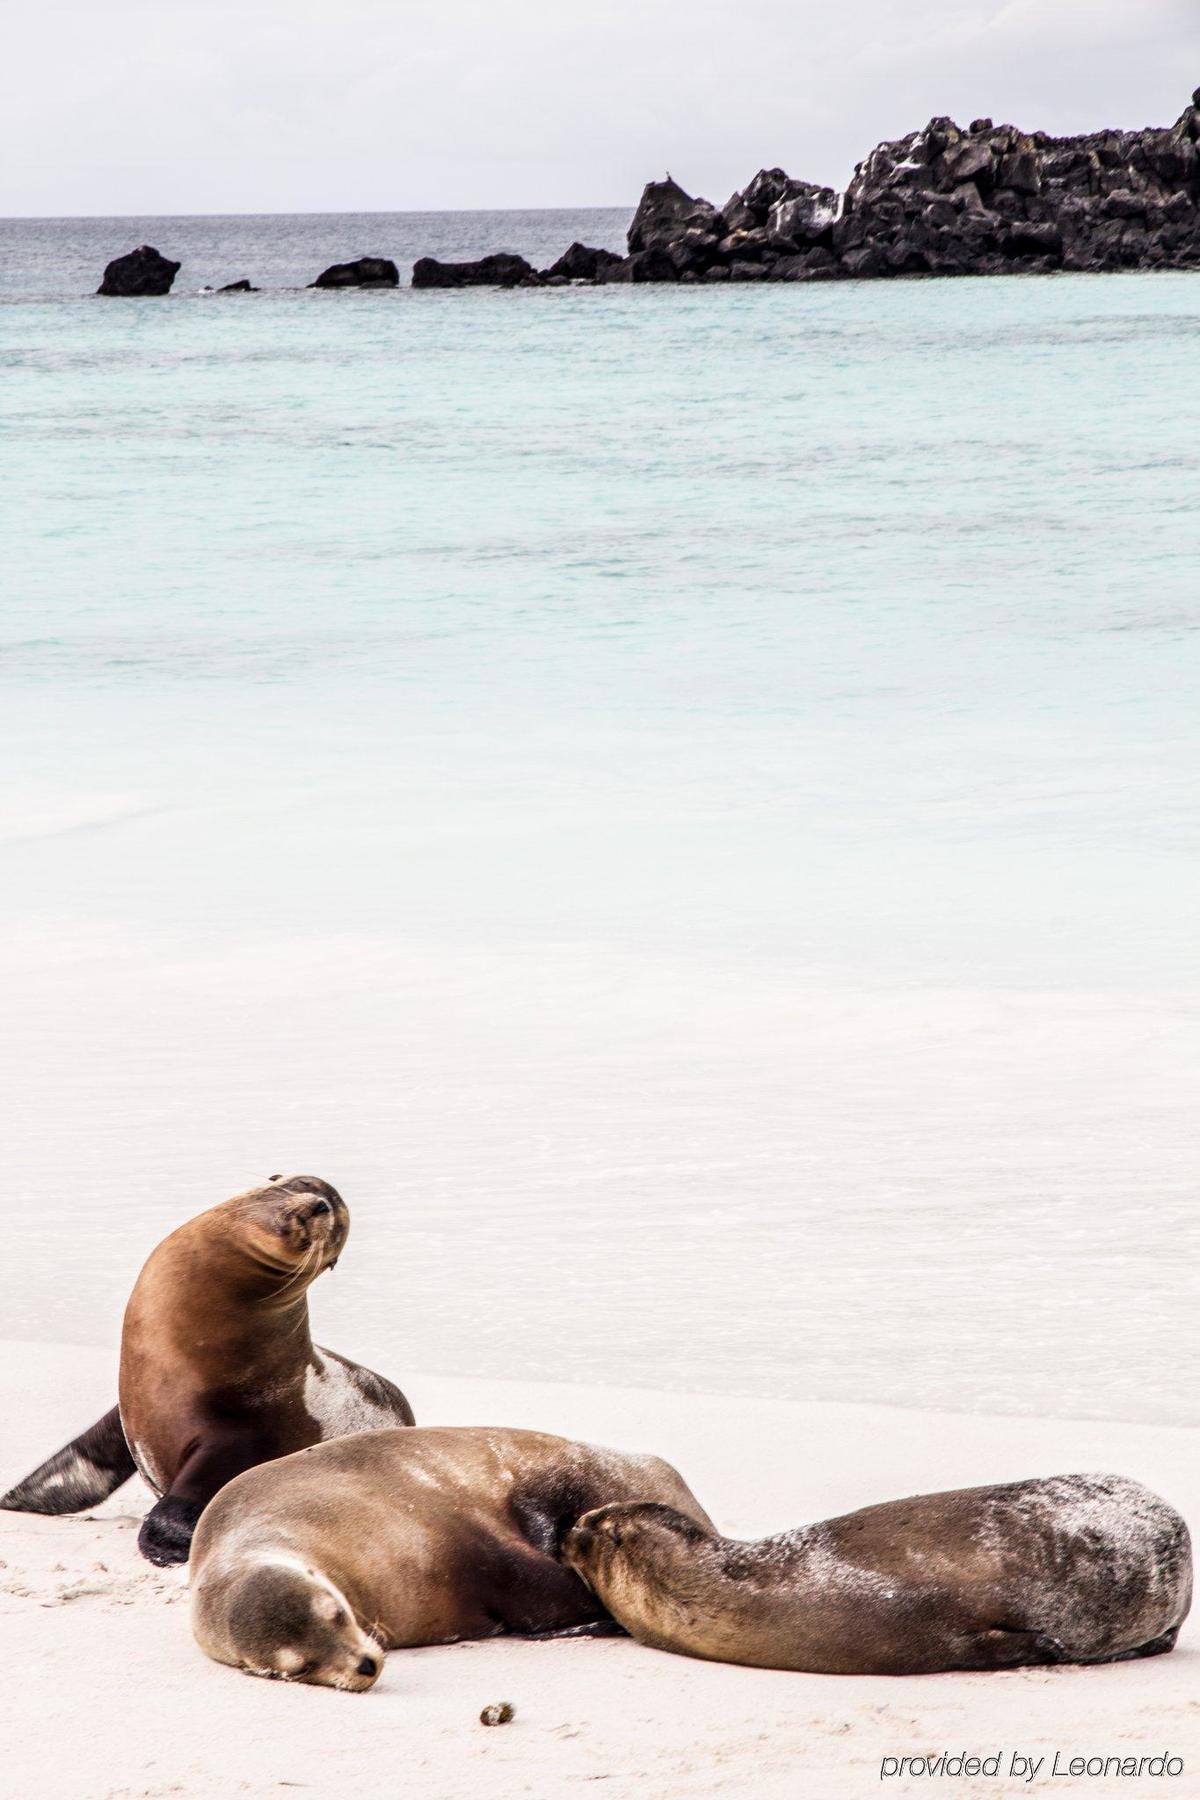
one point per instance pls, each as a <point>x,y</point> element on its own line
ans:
<point>310,1568</point>
<point>218,1370</point>
<point>1074,1569</point>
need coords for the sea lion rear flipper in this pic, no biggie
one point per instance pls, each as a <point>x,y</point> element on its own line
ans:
<point>592,1628</point>
<point>81,1474</point>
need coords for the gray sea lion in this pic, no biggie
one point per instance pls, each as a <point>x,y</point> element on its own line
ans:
<point>1074,1569</point>
<point>218,1370</point>
<point>309,1568</point>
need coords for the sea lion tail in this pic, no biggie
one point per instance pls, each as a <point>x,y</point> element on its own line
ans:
<point>81,1474</point>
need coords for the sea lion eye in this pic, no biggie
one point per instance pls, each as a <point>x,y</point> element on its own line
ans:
<point>339,1618</point>
<point>320,1206</point>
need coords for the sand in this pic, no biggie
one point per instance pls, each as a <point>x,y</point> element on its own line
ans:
<point>106,1696</point>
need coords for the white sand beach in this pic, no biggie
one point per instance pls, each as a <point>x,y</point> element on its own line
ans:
<point>680,801</point>
<point>107,1697</point>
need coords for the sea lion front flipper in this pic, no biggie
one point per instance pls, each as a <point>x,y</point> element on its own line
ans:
<point>167,1529</point>
<point>81,1474</point>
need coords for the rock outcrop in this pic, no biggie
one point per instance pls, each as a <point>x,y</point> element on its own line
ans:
<point>990,199</point>
<point>238,287</point>
<point>364,272</point>
<point>499,270</point>
<point>142,271</point>
<point>582,263</point>
<point>982,199</point>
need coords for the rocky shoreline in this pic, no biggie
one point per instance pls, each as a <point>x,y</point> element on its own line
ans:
<point>946,200</point>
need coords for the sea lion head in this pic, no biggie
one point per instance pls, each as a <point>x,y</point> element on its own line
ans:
<point>297,1224</point>
<point>627,1526</point>
<point>288,1622</point>
<point>621,1550</point>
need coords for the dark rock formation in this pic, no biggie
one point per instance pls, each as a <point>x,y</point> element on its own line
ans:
<point>993,199</point>
<point>142,271</point>
<point>238,287</point>
<point>665,214</point>
<point>643,265</point>
<point>986,200</point>
<point>801,219</point>
<point>500,270</point>
<point>582,263</point>
<point>366,272</point>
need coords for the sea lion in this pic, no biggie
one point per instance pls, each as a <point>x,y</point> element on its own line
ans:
<point>309,1568</point>
<point>218,1370</point>
<point>1075,1569</point>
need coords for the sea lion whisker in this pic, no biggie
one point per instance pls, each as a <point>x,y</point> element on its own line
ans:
<point>308,1263</point>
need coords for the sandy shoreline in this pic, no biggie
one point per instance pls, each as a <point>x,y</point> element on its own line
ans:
<point>106,1697</point>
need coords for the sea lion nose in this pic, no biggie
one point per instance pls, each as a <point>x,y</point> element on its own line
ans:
<point>368,1666</point>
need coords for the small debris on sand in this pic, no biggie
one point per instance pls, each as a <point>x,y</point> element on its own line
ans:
<point>499,1713</point>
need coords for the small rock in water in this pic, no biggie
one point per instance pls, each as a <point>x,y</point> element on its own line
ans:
<point>501,1712</point>
<point>365,271</point>
<point>581,263</point>
<point>501,269</point>
<point>142,271</point>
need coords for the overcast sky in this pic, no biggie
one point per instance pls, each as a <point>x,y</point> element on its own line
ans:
<point>176,106</point>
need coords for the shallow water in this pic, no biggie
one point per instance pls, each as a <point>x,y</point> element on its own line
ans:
<point>682,803</point>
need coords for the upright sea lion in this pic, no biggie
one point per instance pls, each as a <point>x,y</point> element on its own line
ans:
<point>1075,1569</point>
<point>311,1567</point>
<point>218,1370</point>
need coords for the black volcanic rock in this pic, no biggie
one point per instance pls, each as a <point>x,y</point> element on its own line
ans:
<point>665,212</point>
<point>582,263</point>
<point>643,265</point>
<point>769,189</point>
<point>985,200</point>
<point>804,216</point>
<point>993,198</point>
<point>745,246</point>
<point>142,271</point>
<point>365,272</point>
<point>500,270</point>
<point>817,264</point>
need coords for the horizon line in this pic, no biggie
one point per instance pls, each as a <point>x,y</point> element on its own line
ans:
<point>413,212</point>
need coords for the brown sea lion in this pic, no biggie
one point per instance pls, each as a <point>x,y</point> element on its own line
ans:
<point>218,1371</point>
<point>310,1568</point>
<point>1074,1569</point>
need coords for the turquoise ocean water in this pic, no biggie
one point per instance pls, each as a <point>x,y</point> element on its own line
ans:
<point>682,803</point>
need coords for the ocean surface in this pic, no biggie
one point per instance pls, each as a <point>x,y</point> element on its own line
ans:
<point>682,803</point>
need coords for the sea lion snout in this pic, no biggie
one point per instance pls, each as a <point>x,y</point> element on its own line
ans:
<point>607,1527</point>
<point>289,1622</point>
<point>592,1533</point>
<point>305,1217</point>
